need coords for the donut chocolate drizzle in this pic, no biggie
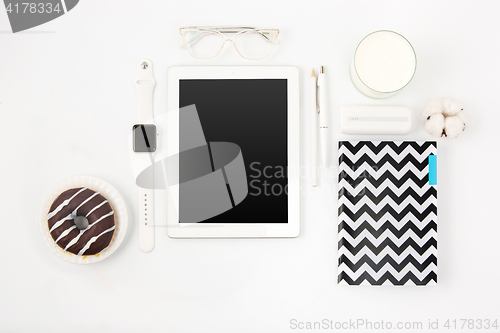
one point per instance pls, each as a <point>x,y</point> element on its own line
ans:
<point>81,202</point>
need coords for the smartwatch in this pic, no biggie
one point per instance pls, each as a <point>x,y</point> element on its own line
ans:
<point>144,144</point>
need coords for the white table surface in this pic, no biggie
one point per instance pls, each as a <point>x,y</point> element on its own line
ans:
<point>67,102</point>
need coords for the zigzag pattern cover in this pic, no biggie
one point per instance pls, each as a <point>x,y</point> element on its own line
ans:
<point>387,230</point>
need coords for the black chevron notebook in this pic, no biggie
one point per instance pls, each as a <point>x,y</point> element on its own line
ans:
<point>387,231</point>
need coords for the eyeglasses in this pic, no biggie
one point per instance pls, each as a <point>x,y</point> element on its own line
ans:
<point>250,43</point>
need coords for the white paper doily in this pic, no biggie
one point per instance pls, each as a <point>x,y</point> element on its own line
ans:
<point>114,199</point>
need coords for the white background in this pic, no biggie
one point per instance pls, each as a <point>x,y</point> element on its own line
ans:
<point>67,103</point>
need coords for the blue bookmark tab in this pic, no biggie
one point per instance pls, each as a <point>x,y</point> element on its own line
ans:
<point>432,170</point>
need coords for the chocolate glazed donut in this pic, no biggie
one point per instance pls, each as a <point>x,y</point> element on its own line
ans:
<point>91,239</point>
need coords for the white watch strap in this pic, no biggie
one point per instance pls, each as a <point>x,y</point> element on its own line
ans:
<point>146,207</point>
<point>145,85</point>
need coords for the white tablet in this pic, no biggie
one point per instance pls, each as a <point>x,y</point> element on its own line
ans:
<point>232,143</point>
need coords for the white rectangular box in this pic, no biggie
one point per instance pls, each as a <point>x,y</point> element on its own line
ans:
<point>375,119</point>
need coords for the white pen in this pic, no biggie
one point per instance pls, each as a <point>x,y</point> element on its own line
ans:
<point>314,114</point>
<point>323,115</point>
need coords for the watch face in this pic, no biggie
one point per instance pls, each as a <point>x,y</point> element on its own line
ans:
<point>144,138</point>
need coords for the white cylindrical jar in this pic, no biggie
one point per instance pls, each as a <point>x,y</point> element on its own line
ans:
<point>384,63</point>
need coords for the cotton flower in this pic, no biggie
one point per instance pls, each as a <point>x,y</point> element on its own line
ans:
<point>435,125</point>
<point>464,116</point>
<point>434,106</point>
<point>451,107</point>
<point>445,117</point>
<point>453,126</point>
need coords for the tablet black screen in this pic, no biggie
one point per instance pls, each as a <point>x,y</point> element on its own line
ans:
<point>249,114</point>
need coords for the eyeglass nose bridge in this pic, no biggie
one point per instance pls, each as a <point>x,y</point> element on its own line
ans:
<point>226,39</point>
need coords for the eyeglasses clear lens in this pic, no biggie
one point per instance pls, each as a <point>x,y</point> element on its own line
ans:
<point>203,44</point>
<point>254,44</point>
